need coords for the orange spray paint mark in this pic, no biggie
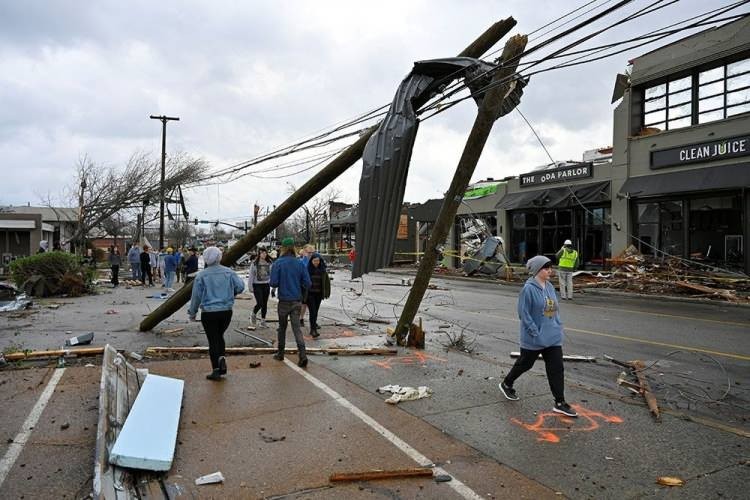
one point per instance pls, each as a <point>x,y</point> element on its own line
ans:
<point>420,358</point>
<point>587,421</point>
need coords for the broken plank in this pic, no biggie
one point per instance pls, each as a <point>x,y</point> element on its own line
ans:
<point>638,368</point>
<point>381,474</point>
<point>566,357</point>
<point>56,353</point>
<point>119,386</point>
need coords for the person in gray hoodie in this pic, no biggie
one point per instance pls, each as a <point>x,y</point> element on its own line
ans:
<point>541,333</point>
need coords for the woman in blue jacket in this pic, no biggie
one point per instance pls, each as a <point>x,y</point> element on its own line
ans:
<point>541,333</point>
<point>214,289</point>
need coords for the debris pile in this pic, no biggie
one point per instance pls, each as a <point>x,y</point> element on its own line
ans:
<point>635,272</point>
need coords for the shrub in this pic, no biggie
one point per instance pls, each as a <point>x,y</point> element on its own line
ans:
<point>52,273</point>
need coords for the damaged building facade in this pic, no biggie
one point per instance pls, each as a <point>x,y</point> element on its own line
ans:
<point>22,228</point>
<point>677,179</point>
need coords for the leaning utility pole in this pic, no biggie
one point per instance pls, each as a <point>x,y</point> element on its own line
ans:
<point>164,120</point>
<point>488,112</point>
<point>311,188</point>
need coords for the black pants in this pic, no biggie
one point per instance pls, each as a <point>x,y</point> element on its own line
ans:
<point>115,275</point>
<point>313,303</point>
<point>261,291</point>
<point>553,363</point>
<point>215,324</point>
<point>146,271</point>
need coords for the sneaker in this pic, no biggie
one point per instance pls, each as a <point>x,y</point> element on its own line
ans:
<point>222,365</point>
<point>254,319</point>
<point>263,323</point>
<point>564,409</point>
<point>214,375</point>
<point>314,333</point>
<point>278,356</point>
<point>317,327</point>
<point>302,363</point>
<point>508,391</point>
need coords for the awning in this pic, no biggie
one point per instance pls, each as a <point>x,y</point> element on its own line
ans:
<point>17,224</point>
<point>559,197</point>
<point>700,179</point>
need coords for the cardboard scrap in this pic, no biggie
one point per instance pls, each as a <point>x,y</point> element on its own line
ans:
<point>405,393</point>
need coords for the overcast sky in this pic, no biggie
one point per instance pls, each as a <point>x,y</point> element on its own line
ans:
<point>82,78</point>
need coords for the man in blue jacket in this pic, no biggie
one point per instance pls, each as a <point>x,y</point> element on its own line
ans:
<point>290,276</point>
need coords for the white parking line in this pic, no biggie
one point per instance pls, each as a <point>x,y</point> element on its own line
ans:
<point>16,447</point>
<point>422,460</point>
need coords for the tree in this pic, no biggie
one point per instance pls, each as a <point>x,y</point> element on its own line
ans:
<point>307,222</point>
<point>105,193</point>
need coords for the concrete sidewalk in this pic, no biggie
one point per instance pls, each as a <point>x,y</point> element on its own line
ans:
<point>269,430</point>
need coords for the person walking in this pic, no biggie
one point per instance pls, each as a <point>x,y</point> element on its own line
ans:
<point>134,259</point>
<point>146,267</point>
<point>170,265</point>
<point>114,264</point>
<point>191,265</point>
<point>179,262</point>
<point>290,276</point>
<point>567,263</point>
<point>541,333</point>
<point>214,290</point>
<point>320,288</point>
<point>304,256</point>
<point>258,280</point>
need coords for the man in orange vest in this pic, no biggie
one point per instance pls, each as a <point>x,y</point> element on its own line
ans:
<point>567,263</point>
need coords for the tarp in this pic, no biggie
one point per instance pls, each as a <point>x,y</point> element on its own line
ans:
<point>700,179</point>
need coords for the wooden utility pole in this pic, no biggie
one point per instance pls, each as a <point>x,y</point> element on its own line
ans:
<point>311,188</point>
<point>164,119</point>
<point>488,112</point>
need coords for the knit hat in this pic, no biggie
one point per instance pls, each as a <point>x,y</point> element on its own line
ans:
<point>287,242</point>
<point>535,264</point>
<point>211,256</point>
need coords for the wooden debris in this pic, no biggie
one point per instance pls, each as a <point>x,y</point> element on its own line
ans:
<point>372,319</point>
<point>670,481</point>
<point>172,331</point>
<point>566,357</point>
<point>381,474</point>
<point>257,339</point>
<point>23,355</point>
<point>636,368</point>
<point>155,351</point>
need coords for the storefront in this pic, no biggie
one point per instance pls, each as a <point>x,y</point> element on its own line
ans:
<point>545,207</point>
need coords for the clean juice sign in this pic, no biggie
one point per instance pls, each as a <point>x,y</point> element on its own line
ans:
<point>733,147</point>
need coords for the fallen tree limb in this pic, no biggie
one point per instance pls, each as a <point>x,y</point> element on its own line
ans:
<point>381,474</point>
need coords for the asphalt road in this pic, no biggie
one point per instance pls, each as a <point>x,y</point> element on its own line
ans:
<point>697,357</point>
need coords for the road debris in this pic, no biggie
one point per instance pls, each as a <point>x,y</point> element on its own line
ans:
<point>405,393</point>
<point>213,478</point>
<point>636,368</point>
<point>669,481</point>
<point>257,339</point>
<point>155,351</point>
<point>172,331</point>
<point>84,339</point>
<point>566,357</point>
<point>381,474</point>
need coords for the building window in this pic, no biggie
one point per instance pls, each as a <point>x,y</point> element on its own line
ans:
<point>701,97</point>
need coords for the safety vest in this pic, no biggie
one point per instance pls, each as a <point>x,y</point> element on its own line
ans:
<point>568,259</point>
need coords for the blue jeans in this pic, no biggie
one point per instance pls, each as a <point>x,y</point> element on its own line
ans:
<point>169,278</point>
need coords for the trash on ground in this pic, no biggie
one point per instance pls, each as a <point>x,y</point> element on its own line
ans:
<point>566,357</point>
<point>381,474</point>
<point>405,393</point>
<point>135,356</point>
<point>443,478</point>
<point>18,304</point>
<point>213,478</point>
<point>84,339</point>
<point>112,311</point>
<point>670,481</point>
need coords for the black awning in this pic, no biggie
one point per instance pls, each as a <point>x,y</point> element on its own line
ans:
<point>559,197</point>
<point>700,179</point>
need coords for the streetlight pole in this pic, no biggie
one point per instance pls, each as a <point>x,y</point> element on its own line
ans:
<point>164,119</point>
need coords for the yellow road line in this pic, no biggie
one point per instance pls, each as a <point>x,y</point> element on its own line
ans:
<point>741,357</point>
<point>662,344</point>
<point>734,323</point>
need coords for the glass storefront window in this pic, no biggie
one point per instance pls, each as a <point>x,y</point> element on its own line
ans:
<point>714,225</point>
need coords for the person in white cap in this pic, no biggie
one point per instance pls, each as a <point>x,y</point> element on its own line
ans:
<point>214,289</point>
<point>541,333</point>
<point>567,263</point>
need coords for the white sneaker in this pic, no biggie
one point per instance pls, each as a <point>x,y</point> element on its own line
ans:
<point>262,323</point>
<point>254,319</point>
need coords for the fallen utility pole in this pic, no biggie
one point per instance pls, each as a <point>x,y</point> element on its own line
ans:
<point>311,188</point>
<point>488,112</point>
